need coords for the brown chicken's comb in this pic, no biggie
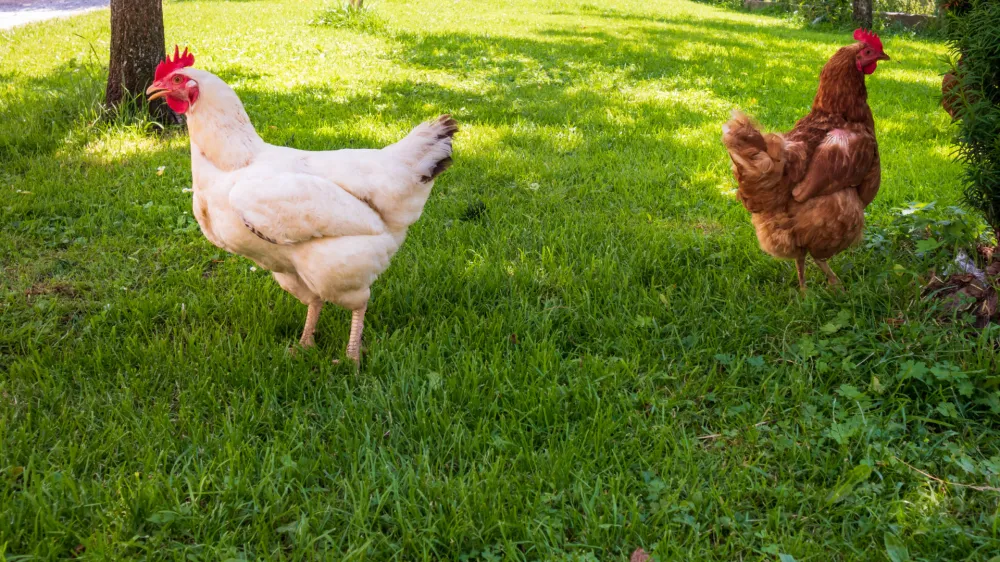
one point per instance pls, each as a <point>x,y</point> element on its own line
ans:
<point>868,38</point>
<point>179,61</point>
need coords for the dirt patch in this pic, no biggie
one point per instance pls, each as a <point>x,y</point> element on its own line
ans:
<point>58,289</point>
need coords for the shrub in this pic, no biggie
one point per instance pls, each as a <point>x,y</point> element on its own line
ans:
<point>931,233</point>
<point>352,14</point>
<point>726,3</point>
<point>833,11</point>
<point>973,33</point>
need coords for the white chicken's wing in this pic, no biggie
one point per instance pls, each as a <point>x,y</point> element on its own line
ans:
<point>294,207</point>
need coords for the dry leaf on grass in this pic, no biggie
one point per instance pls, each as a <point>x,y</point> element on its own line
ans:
<point>965,293</point>
<point>639,555</point>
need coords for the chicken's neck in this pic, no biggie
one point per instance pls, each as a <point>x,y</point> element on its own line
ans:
<point>221,132</point>
<point>842,88</point>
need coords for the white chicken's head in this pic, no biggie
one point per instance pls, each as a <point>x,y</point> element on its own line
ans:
<point>171,82</point>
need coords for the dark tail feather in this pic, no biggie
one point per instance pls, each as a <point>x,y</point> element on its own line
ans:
<point>438,169</point>
<point>428,147</point>
<point>447,127</point>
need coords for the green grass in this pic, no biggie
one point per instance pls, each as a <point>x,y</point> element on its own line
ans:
<point>580,349</point>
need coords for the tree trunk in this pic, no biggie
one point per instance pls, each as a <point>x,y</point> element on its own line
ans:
<point>136,49</point>
<point>863,13</point>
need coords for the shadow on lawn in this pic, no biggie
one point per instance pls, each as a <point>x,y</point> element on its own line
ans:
<point>35,117</point>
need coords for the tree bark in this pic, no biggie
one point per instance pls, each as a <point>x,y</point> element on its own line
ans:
<point>864,12</point>
<point>136,49</point>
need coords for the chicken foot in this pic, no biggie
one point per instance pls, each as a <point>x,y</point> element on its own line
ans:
<point>312,318</point>
<point>831,277</point>
<point>354,342</point>
<point>800,267</point>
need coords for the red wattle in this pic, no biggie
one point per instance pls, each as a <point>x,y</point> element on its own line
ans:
<point>180,106</point>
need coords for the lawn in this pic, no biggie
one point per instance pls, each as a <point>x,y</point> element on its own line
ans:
<point>580,349</point>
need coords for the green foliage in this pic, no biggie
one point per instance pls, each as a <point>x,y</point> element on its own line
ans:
<point>579,350</point>
<point>350,15</point>
<point>934,234</point>
<point>836,12</point>
<point>840,13</point>
<point>974,35</point>
<point>925,7</point>
<point>895,549</point>
<point>725,3</point>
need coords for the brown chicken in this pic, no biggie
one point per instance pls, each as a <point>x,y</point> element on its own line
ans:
<point>807,190</point>
<point>950,99</point>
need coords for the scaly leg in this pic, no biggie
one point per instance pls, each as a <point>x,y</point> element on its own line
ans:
<point>831,277</point>
<point>312,318</point>
<point>800,267</point>
<point>354,342</point>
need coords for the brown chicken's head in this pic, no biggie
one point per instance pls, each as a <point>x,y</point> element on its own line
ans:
<point>170,82</point>
<point>869,52</point>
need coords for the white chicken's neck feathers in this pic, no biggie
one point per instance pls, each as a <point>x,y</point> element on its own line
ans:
<point>219,127</point>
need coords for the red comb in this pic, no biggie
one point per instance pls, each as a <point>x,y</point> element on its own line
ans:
<point>179,61</point>
<point>868,38</point>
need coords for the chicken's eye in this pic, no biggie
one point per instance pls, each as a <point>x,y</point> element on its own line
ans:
<point>177,79</point>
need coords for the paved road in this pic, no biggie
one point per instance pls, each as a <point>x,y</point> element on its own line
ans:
<point>18,12</point>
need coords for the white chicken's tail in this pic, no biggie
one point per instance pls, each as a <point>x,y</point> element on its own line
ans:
<point>428,148</point>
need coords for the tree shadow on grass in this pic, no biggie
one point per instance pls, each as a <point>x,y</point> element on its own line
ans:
<point>36,116</point>
<point>654,56</point>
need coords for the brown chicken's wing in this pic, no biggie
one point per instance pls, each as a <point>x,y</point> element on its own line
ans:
<point>842,160</point>
<point>868,188</point>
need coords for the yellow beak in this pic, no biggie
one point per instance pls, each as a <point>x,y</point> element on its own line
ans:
<point>155,91</point>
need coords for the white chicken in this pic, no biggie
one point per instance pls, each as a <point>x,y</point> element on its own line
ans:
<point>325,223</point>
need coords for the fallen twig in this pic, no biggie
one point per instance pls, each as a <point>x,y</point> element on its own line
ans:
<point>717,435</point>
<point>943,481</point>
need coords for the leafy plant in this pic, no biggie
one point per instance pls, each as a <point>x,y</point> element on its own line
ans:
<point>931,233</point>
<point>973,33</point>
<point>832,11</point>
<point>726,3</point>
<point>926,7</point>
<point>351,14</point>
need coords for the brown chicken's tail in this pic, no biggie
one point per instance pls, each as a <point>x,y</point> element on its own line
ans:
<point>758,163</point>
